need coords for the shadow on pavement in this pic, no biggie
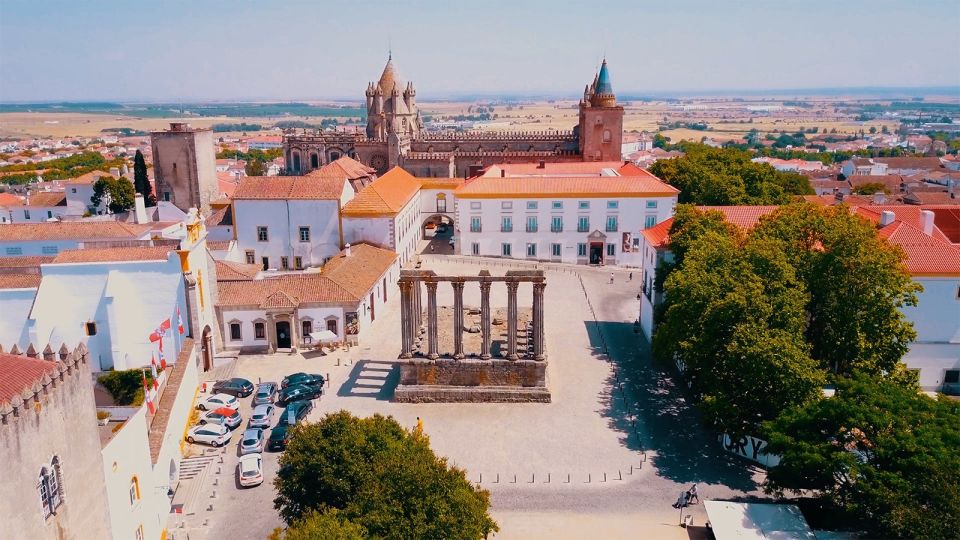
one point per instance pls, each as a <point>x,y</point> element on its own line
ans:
<point>371,378</point>
<point>667,423</point>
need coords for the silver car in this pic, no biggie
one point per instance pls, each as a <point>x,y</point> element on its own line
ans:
<point>252,441</point>
<point>265,393</point>
<point>262,416</point>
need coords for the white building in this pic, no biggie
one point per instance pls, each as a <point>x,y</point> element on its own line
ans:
<point>39,207</point>
<point>575,218</point>
<point>290,222</point>
<point>47,239</point>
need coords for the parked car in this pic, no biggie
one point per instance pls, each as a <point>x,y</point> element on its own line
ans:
<point>218,400</point>
<point>298,392</point>
<point>279,437</point>
<point>212,434</point>
<point>309,379</point>
<point>224,416</point>
<point>250,470</point>
<point>266,393</point>
<point>262,416</point>
<point>252,441</point>
<point>298,409</point>
<point>235,387</point>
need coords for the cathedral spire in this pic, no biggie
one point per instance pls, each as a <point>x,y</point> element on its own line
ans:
<point>604,85</point>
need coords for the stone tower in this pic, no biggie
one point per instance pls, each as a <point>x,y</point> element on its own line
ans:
<point>184,166</point>
<point>600,131</point>
<point>392,107</point>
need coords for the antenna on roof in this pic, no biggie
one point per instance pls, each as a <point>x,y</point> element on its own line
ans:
<point>389,49</point>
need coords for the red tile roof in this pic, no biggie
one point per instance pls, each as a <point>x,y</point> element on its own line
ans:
<point>359,272</point>
<point>19,281</point>
<point>344,167</point>
<point>113,254</point>
<point>926,255</point>
<point>386,196</point>
<point>233,271</point>
<point>659,235</point>
<point>19,373</point>
<point>9,199</point>
<point>289,187</point>
<point>71,230</point>
<point>24,262</point>
<point>48,198</point>
<point>745,217</point>
<point>565,187</point>
<point>562,168</point>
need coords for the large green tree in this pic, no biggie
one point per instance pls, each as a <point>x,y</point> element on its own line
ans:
<point>726,176</point>
<point>328,525</point>
<point>857,285</point>
<point>120,191</point>
<point>879,452</point>
<point>381,477</point>
<point>141,182</point>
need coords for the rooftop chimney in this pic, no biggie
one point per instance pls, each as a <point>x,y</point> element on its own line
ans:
<point>926,221</point>
<point>879,198</point>
<point>346,250</point>
<point>542,164</point>
<point>139,210</point>
<point>115,172</point>
<point>503,173</point>
<point>887,217</point>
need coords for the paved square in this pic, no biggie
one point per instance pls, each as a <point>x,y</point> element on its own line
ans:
<point>597,459</point>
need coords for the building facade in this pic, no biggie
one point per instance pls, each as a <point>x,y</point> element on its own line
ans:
<point>395,136</point>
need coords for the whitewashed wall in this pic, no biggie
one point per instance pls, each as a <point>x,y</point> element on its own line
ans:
<point>283,220</point>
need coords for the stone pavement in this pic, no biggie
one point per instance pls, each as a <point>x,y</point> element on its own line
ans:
<point>645,438</point>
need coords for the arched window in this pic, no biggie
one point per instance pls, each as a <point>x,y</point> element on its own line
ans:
<point>259,330</point>
<point>332,326</point>
<point>334,156</point>
<point>296,161</point>
<point>50,487</point>
<point>314,160</point>
<point>134,490</point>
<point>306,327</point>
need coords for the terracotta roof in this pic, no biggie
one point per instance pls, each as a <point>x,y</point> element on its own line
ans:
<point>9,199</point>
<point>562,168</point>
<point>289,187</point>
<point>344,167</point>
<point>947,219</point>
<point>218,245</point>
<point>19,281</point>
<point>113,254</point>
<point>303,288</point>
<point>279,299</point>
<point>234,271</point>
<point>926,255</point>
<point>630,169</point>
<point>909,214</point>
<point>659,235</point>
<point>220,217</point>
<point>910,162</point>
<point>933,197</point>
<point>572,186</point>
<point>359,272</point>
<point>745,217</point>
<point>19,373</point>
<point>387,195</point>
<point>24,262</point>
<point>48,198</point>
<point>440,183</point>
<point>71,230</point>
<point>890,181</point>
<point>88,178</point>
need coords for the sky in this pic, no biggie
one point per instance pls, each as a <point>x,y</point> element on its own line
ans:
<point>216,50</point>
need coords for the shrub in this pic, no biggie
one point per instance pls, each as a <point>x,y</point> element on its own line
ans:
<point>125,386</point>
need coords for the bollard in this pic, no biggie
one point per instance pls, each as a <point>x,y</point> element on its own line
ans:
<point>216,481</point>
<point>481,478</point>
<point>548,478</point>
<point>533,477</point>
<point>589,477</point>
<point>209,509</point>
<point>631,470</point>
<point>604,476</point>
<point>619,474</point>
<point>514,479</point>
<point>568,478</point>
<point>328,379</point>
<point>497,481</point>
<point>218,469</point>
<point>220,459</point>
<point>214,494</point>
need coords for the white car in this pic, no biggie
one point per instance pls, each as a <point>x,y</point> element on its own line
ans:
<point>250,470</point>
<point>218,400</point>
<point>213,434</point>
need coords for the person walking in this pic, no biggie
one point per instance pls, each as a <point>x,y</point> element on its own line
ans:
<point>611,277</point>
<point>692,494</point>
<point>631,276</point>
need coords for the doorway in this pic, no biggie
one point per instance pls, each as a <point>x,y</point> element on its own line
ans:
<point>283,335</point>
<point>596,252</point>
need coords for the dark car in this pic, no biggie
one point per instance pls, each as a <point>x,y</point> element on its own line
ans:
<point>309,379</point>
<point>235,387</point>
<point>297,393</point>
<point>279,436</point>
<point>266,393</point>
<point>298,409</point>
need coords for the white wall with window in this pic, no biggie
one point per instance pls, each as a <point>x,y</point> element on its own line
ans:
<point>309,229</point>
<point>936,319</point>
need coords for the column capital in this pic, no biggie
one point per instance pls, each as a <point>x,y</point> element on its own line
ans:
<point>457,285</point>
<point>512,286</point>
<point>431,286</point>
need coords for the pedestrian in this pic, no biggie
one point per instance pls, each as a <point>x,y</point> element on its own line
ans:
<point>432,247</point>
<point>631,276</point>
<point>419,430</point>
<point>611,277</point>
<point>692,494</point>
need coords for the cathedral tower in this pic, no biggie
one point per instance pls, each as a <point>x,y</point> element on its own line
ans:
<point>600,131</point>
<point>392,107</point>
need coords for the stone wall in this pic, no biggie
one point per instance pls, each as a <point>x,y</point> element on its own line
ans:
<point>472,380</point>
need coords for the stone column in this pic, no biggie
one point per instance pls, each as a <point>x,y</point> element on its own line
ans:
<point>417,307</point>
<point>432,320</point>
<point>406,319</point>
<point>512,287</point>
<point>538,342</point>
<point>271,333</point>
<point>458,319</point>
<point>485,318</point>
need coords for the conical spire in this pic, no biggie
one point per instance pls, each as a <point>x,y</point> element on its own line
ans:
<point>390,79</point>
<point>603,80</point>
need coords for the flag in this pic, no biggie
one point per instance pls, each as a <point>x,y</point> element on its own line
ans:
<point>147,394</point>
<point>153,371</point>
<point>179,321</point>
<point>158,333</point>
<point>163,359</point>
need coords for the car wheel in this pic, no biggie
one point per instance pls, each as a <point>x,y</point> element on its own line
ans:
<point>190,440</point>
<point>214,444</point>
<point>202,407</point>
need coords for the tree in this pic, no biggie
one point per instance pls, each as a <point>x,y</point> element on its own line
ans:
<point>659,141</point>
<point>857,286</point>
<point>878,452</point>
<point>141,182</point>
<point>328,525</point>
<point>120,191</point>
<point>870,188</point>
<point>254,167</point>
<point>379,476</point>
<point>726,176</point>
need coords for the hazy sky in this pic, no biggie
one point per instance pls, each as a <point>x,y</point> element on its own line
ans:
<point>210,49</point>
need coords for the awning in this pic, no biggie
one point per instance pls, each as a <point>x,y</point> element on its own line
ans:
<point>736,521</point>
<point>323,335</point>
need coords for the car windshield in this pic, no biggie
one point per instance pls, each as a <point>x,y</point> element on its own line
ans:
<point>263,393</point>
<point>249,442</point>
<point>250,473</point>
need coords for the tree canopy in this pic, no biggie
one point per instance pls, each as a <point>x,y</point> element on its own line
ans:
<point>879,452</point>
<point>141,182</point>
<point>120,190</point>
<point>328,525</point>
<point>726,176</point>
<point>379,476</point>
<point>760,321</point>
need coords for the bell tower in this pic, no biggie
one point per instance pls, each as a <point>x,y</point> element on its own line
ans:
<point>600,131</point>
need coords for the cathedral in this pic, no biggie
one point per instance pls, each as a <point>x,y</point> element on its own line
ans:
<point>395,136</point>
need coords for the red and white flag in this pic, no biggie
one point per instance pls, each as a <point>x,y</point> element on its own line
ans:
<point>147,394</point>
<point>158,333</point>
<point>163,359</point>
<point>153,371</point>
<point>179,321</point>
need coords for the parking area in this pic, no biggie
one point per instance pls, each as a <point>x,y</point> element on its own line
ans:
<point>615,446</point>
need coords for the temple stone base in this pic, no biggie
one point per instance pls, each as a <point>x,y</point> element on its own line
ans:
<point>446,380</point>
